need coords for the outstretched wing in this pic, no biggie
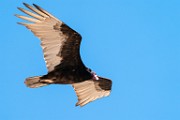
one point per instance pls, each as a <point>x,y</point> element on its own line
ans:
<point>60,43</point>
<point>90,90</point>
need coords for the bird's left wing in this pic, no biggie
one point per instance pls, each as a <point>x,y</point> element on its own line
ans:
<point>59,42</point>
<point>90,90</point>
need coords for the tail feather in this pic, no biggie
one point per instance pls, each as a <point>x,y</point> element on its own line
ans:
<point>34,82</point>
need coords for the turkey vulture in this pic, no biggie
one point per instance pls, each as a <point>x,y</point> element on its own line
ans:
<point>61,48</point>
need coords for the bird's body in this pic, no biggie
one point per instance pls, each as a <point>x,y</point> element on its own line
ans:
<point>61,46</point>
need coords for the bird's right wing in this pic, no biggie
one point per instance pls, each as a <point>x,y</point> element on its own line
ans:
<point>60,43</point>
<point>90,90</point>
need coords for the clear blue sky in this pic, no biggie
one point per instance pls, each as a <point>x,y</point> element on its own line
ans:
<point>136,43</point>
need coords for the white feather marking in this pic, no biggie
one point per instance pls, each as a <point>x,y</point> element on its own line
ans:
<point>47,13</point>
<point>28,19</point>
<point>36,10</point>
<point>32,14</point>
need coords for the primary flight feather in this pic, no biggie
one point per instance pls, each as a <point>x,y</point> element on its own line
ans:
<point>61,48</point>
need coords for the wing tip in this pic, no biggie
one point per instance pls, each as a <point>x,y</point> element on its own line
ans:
<point>36,6</point>
<point>19,23</point>
<point>79,105</point>
<point>16,15</point>
<point>25,4</point>
<point>19,8</point>
<point>76,104</point>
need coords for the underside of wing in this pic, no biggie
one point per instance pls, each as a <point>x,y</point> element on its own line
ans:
<point>57,39</point>
<point>91,90</point>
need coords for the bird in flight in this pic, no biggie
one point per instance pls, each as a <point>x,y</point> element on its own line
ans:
<point>61,48</point>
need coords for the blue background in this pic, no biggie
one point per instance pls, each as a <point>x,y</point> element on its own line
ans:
<point>136,43</point>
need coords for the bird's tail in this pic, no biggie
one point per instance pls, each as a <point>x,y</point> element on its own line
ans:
<point>35,82</point>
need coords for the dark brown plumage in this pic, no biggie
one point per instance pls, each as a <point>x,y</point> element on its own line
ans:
<point>61,46</point>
